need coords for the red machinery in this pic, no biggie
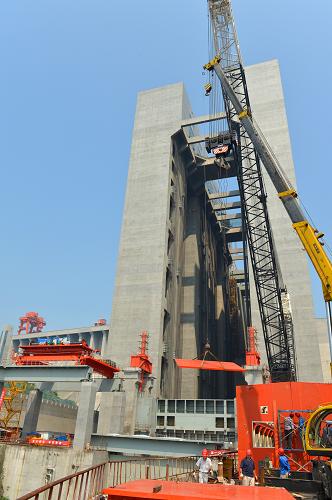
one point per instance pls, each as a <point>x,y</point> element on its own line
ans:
<point>31,323</point>
<point>100,322</point>
<point>142,360</point>
<point>252,355</point>
<point>81,353</point>
<point>261,411</point>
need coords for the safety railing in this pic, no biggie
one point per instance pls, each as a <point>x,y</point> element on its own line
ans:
<point>89,483</point>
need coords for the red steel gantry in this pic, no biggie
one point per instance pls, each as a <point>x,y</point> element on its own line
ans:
<point>81,353</point>
<point>31,323</point>
<point>142,360</point>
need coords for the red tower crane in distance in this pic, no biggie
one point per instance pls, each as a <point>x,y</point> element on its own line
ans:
<point>142,360</point>
<point>31,323</point>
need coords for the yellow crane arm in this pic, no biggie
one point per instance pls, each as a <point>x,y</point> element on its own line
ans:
<point>311,241</point>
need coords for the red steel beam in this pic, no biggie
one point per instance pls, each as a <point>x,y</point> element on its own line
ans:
<point>199,364</point>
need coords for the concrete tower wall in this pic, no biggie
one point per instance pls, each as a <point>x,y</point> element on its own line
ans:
<point>139,297</point>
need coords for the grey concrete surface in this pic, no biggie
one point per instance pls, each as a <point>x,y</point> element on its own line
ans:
<point>23,468</point>
<point>85,415</point>
<point>32,412</point>
<point>112,411</point>
<point>139,295</point>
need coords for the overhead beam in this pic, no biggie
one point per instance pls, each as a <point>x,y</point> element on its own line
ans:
<point>197,120</point>
<point>226,194</point>
<point>235,250</point>
<point>237,215</point>
<point>225,206</point>
<point>45,373</point>
<point>234,234</point>
<point>138,445</point>
<point>196,139</point>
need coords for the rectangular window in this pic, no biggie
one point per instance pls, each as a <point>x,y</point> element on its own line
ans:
<point>209,406</point>
<point>170,421</point>
<point>160,421</point>
<point>180,406</point>
<point>190,406</point>
<point>199,406</point>
<point>220,422</point>
<point>171,406</point>
<point>230,423</point>
<point>161,406</point>
<point>230,406</point>
<point>220,406</point>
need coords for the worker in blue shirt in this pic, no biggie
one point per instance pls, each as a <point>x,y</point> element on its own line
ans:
<point>284,466</point>
<point>247,470</point>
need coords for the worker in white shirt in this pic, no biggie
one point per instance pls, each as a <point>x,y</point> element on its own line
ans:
<point>204,466</point>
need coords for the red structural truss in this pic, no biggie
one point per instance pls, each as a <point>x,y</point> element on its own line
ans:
<point>252,355</point>
<point>202,364</point>
<point>31,323</point>
<point>81,353</point>
<point>142,360</point>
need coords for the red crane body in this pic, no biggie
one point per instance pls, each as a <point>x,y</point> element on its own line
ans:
<point>81,353</point>
<point>31,323</point>
<point>142,360</point>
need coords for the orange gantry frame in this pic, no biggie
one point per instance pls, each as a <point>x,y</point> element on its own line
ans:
<point>170,490</point>
<point>200,364</point>
<point>81,353</point>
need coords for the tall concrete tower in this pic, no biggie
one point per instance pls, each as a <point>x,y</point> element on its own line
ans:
<point>176,274</point>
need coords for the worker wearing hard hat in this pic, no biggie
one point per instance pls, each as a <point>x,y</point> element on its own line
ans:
<point>247,470</point>
<point>284,466</point>
<point>204,466</point>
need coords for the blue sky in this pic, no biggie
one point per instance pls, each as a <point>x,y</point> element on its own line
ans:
<point>71,70</point>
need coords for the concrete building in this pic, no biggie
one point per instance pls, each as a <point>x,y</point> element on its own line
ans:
<point>175,265</point>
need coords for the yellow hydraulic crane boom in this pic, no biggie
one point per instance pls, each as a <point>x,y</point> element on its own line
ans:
<point>309,236</point>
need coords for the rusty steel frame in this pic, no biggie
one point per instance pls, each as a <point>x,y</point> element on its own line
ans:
<point>90,482</point>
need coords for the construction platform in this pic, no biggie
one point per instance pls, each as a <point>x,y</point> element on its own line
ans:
<point>169,490</point>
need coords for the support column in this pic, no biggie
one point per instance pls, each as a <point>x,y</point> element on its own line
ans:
<point>111,413</point>
<point>85,413</point>
<point>130,386</point>
<point>32,411</point>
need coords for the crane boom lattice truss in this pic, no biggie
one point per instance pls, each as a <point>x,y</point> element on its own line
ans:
<point>278,338</point>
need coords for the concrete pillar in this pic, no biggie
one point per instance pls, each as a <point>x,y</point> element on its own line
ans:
<point>130,387</point>
<point>111,414</point>
<point>85,414</point>
<point>253,375</point>
<point>191,298</point>
<point>32,411</point>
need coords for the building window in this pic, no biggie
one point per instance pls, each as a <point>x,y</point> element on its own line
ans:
<point>230,406</point>
<point>230,423</point>
<point>170,421</point>
<point>209,406</point>
<point>190,406</point>
<point>220,406</point>
<point>160,421</point>
<point>220,422</point>
<point>171,406</point>
<point>199,406</point>
<point>180,406</point>
<point>161,406</point>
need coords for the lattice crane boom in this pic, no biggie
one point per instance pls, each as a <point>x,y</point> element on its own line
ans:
<point>227,65</point>
<point>278,334</point>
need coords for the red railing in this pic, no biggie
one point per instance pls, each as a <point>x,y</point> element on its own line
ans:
<point>89,483</point>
